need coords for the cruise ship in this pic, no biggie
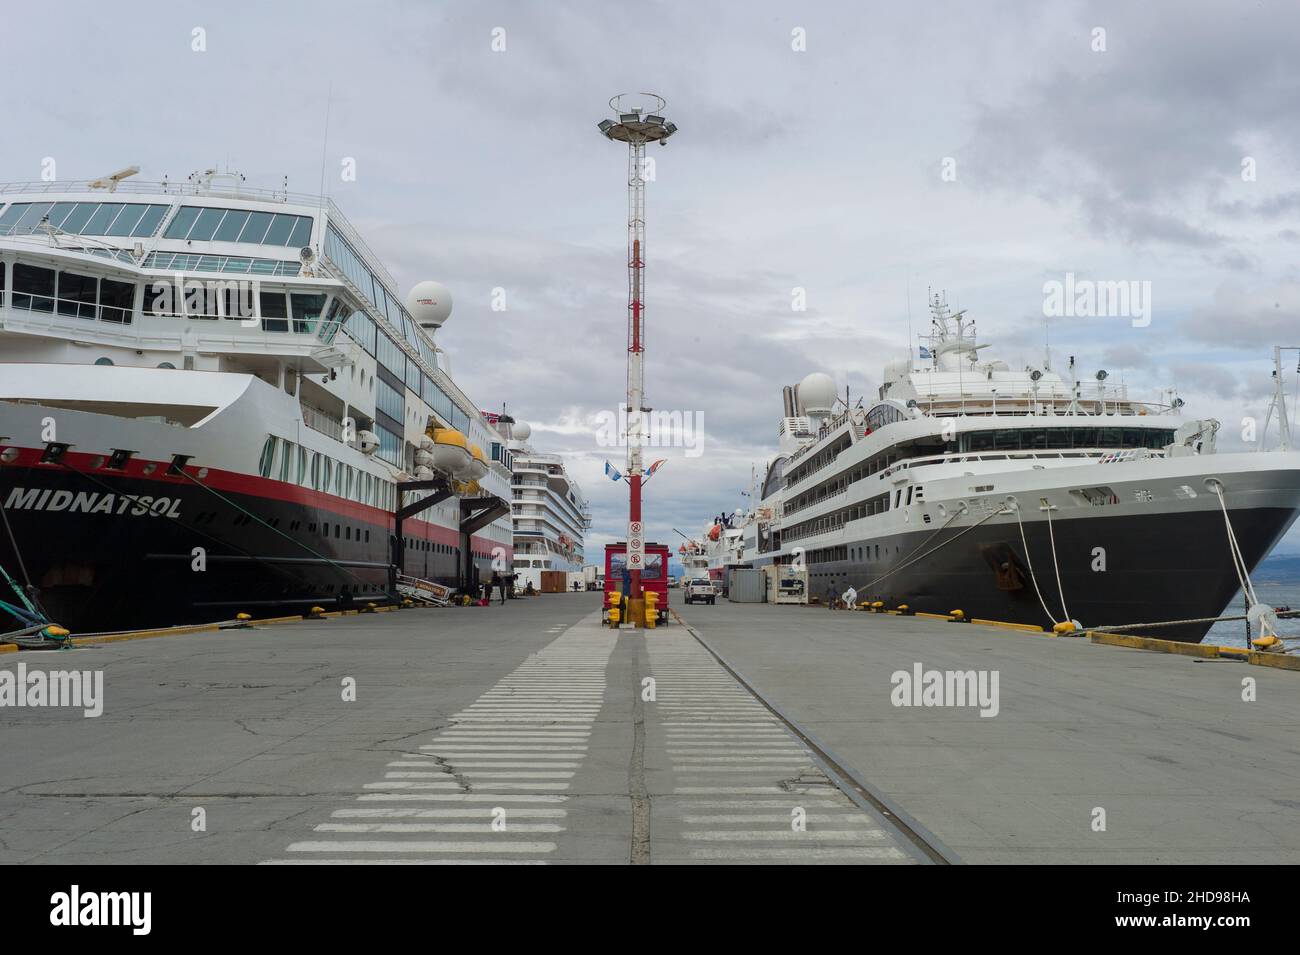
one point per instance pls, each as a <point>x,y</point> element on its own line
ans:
<point>214,400</point>
<point>1025,495</point>
<point>549,512</point>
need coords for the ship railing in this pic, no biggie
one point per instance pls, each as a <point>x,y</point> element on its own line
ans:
<point>813,503</point>
<point>322,421</point>
<point>168,188</point>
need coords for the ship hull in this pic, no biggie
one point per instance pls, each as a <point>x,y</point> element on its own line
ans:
<point>110,552</point>
<point>1113,570</point>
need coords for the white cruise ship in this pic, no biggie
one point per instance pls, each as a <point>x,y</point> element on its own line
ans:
<point>548,509</point>
<point>213,399</point>
<point>1021,495</point>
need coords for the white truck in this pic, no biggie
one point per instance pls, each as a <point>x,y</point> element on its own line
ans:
<point>700,589</point>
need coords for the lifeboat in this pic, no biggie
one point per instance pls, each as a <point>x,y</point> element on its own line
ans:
<point>450,453</point>
<point>478,465</point>
<point>715,532</point>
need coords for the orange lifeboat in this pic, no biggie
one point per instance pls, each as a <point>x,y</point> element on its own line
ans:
<point>715,531</point>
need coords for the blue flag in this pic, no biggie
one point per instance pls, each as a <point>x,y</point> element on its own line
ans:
<point>612,472</point>
<point>925,352</point>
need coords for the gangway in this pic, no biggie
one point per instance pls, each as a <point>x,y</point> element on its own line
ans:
<point>424,591</point>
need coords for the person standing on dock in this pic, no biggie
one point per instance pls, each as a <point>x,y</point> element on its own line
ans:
<point>830,595</point>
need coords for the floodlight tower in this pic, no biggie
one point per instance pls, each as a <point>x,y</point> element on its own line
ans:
<point>639,120</point>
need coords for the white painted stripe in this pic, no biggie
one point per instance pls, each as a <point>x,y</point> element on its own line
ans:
<point>784,835</point>
<point>513,774</point>
<point>422,846</point>
<point>403,862</point>
<point>513,765</point>
<point>728,790</point>
<point>794,757</point>
<point>460,797</point>
<point>485,812</point>
<point>838,819</point>
<point>398,785</point>
<point>810,854</point>
<point>482,827</point>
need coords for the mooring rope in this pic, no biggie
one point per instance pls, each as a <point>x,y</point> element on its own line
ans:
<point>965,531</point>
<point>1033,578</point>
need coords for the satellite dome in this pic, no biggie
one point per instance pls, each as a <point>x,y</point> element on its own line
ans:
<point>816,393</point>
<point>429,304</point>
<point>521,431</point>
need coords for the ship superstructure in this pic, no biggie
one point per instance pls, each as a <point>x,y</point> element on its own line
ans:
<point>213,399</point>
<point>549,511</point>
<point>1024,495</point>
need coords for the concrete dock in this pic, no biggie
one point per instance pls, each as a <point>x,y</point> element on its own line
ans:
<point>528,734</point>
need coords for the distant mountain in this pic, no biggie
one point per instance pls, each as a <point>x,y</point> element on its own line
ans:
<point>1280,567</point>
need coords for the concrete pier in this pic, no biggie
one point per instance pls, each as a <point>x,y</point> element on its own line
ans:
<point>528,734</point>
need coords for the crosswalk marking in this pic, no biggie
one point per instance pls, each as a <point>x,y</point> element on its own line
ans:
<point>771,803</point>
<point>508,759</point>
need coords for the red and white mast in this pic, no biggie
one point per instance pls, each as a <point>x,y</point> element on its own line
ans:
<point>639,120</point>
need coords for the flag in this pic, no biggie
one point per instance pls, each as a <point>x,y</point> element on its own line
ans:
<point>612,472</point>
<point>925,352</point>
<point>654,467</point>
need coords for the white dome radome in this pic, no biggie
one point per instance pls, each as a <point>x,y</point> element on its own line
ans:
<point>520,431</point>
<point>816,393</point>
<point>429,304</point>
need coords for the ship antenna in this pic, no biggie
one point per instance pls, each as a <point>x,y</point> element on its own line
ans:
<point>324,146</point>
<point>907,284</point>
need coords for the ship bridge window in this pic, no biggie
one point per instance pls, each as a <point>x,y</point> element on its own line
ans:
<point>116,301</point>
<point>33,288</point>
<point>231,226</point>
<point>78,294</point>
<point>1030,439</point>
<point>84,218</point>
<point>205,223</point>
<point>306,311</point>
<point>275,312</point>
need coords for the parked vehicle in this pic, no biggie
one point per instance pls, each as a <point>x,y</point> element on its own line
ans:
<point>700,589</point>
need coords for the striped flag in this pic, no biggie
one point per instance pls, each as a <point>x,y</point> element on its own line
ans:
<point>654,467</point>
<point>612,472</point>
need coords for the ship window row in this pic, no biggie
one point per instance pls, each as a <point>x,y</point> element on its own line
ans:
<point>840,483</point>
<point>878,504</point>
<point>340,252</point>
<point>390,445</point>
<point>291,463</point>
<point>91,297</point>
<point>363,330</point>
<point>70,293</point>
<point>818,461</point>
<point>819,555</point>
<point>133,219</point>
<point>430,547</point>
<point>209,224</point>
<point>1031,439</point>
<point>239,265</point>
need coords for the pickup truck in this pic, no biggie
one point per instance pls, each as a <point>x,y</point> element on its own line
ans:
<point>701,588</point>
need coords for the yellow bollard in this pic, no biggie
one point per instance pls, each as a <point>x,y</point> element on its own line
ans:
<point>613,615</point>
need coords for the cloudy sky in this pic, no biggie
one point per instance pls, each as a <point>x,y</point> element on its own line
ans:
<point>1151,142</point>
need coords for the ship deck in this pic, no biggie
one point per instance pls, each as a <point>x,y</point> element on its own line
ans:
<point>534,717</point>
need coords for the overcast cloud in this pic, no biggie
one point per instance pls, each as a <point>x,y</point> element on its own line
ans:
<point>818,170</point>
